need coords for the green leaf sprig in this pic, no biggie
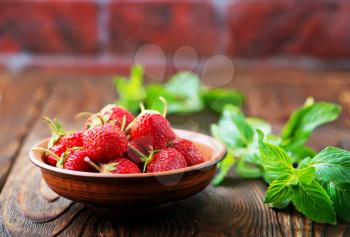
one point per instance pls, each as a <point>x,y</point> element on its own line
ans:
<point>317,185</point>
<point>183,91</point>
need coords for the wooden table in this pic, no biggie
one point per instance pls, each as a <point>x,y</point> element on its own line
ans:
<point>29,208</point>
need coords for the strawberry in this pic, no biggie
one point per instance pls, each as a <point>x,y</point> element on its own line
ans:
<point>167,159</point>
<point>61,140</point>
<point>105,142</point>
<point>71,159</point>
<point>189,151</point>
<point>110,114</point>
<point>74,160</point>
<point>152,128</point>
<point>117,166</point>
<point>120,166</point>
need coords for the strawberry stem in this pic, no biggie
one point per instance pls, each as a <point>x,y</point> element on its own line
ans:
<point>149,159</point>
<point>47,151</point>
<point>139,153</point>
<point>142,107</point>
<point>123,123</point>
<point>55,126</point>
<point>165,106</point>
<point>91,163</point>
<point>101,119</point>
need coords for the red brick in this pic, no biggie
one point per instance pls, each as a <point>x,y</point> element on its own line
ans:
<point>169,24</point>
<point>45,27</point>
<point>289,27</point>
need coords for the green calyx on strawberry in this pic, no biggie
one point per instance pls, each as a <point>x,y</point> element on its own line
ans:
<point>110,114</point>
<point>61,140</point>
<point>151,128</point>
<point>116,166</point>
<point>57,131</point>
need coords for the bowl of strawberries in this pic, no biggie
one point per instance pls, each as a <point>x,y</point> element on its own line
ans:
<point>122,162</point>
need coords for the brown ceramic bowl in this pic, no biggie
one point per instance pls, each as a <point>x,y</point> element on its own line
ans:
<point>134,191</point>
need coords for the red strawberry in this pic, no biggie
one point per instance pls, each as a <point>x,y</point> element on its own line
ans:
<point>61,140</point>
<point>153,130</point>
<point>120,166</point>
<point>117,166</point>
<point>105,142</point>
<point>189,151</point>
<point>74,160</point>
<point>167,159</point>
<point>110,114</point>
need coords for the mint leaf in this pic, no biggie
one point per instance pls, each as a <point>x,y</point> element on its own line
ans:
<point>274,159</point>
<point>332,164</point>
<point>305,163</point>
<point>131,91</point>
<point>182,92</point>
<point>340,195</point>
<point>186,87</point>
<point>216,99</point>
<point>303,121</point>
<point>281,205</point>
<point>280,190</point>
<point>306,175</point>
<point>224,167</point>
<point>154,91</point>
<point>248,170</point>
<point>232,128</point>
<point>313,201</point>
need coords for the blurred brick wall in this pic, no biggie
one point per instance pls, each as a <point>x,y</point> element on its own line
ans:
<point>105,33</point>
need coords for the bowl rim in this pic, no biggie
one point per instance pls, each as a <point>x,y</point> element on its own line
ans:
<point>217,156</point>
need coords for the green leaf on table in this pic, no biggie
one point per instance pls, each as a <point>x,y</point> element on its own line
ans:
<point>313,201</point>
<point>182,93</point>
<point>154,91</point>
<point>332,164</point>
<point>280,190</point>
<point>224,167</point>
<point>248,170</point>
<point>340,196</point>
<point>303,121</point>
<point>274,159</point>
<point>305,175</point>
<point>251,153</point>
<point>232,128</point>
<point>131,91</point>
<point>216,99</point>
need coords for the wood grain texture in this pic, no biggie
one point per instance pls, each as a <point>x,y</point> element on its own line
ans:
<point>20,105</point>
<point>236,208</point>
<point>22,200</point>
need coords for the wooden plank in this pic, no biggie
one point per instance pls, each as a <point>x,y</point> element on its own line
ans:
<point>21,102</point>
<point>28,208</point>
<point>24,202</point>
